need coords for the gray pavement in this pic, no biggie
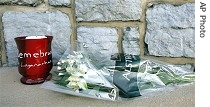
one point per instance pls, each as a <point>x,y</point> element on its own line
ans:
<point>15,94</point>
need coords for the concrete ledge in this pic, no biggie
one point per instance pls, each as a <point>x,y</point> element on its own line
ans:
<point>13,93</point>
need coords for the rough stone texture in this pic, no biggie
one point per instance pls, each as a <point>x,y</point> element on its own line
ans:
<point>131,41</point>
<point>0,49</point>
<point>59,2</point>
<point>53,23</point>
<point>185,68</point>
<point>22,2</point>
<point>101,43</point>
<point>108,10</point>
<point>170,30</point>
<point>171,42</point>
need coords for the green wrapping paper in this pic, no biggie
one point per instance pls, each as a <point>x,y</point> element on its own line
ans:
<point>125,75</point>
<point>133,75</point>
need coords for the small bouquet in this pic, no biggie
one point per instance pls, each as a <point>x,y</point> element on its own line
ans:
<point>76,75</point>
<point>129,77</point>
<point>135,76</point>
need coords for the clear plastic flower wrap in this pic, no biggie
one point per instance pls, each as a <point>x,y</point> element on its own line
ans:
<point>75,75</point>
<point>130,76</point>
<point>135,76</point>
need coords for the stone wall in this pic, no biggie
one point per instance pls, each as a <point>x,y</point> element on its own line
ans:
<point>157,29</point>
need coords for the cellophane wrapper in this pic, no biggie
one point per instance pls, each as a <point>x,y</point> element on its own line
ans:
<point>76,75</point>
<point>135,76</point>
<point>129,77</point>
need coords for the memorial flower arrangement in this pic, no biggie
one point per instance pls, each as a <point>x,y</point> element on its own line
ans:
<point>77,74</point>
<point>129,77</point>
<point>135,76</point>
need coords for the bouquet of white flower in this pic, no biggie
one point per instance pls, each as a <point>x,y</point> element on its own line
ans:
<point>128,78</point>
<point>76,75</point>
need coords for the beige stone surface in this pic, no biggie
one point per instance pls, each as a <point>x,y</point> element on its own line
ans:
<point>15,94</point>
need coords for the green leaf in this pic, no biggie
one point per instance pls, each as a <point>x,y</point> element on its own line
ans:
<point>166,78</point>
<point>61,80</point>
<point>146,85</point>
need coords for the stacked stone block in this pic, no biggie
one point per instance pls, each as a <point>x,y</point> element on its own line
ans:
<point>22,2</point>
<point>170,30</point>
<point>105,26</point>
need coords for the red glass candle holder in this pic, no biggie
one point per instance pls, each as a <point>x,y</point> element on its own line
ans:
<point>34,58</point>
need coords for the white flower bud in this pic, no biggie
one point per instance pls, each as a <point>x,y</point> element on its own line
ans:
<point>59,63</point>
<point>62,61</point>
<point>59,68</point>
<point>59,74</point>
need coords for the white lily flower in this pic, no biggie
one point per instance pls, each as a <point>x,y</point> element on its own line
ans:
<point>76,83</point>
<point>83,68</point>
<point>71,62</point>
<point>73,85</point>
<point>73,79</point>
<point>82,84</point>
<point>70,69</point>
